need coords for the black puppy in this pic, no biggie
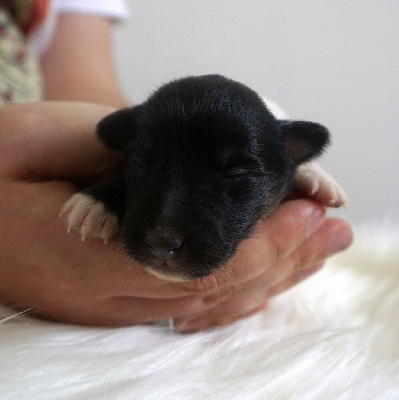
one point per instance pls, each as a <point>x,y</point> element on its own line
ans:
<point>205,159</point>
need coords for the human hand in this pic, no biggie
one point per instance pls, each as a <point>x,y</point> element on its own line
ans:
<point>43,147</point>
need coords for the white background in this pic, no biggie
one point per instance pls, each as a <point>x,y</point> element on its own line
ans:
<point>334,62</point>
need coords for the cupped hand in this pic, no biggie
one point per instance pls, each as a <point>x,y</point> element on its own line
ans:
<point>44,148</point>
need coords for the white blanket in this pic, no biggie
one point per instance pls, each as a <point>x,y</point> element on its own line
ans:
<point>335,336</point>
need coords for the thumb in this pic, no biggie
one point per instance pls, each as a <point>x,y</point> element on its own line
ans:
<point>53,139</point>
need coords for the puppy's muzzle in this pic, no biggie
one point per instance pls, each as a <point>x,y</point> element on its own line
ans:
<point>164,243</point>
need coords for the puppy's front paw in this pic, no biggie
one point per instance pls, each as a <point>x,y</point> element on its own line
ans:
<point>90,216</point>
<point>314,182</point>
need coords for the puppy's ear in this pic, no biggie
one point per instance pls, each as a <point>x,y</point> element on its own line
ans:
<point>304,140</point>
<point>118,128</point>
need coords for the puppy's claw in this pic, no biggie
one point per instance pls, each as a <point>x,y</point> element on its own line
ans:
<point>336,204</point>
<point>314,187</point>
<point>90,217</point>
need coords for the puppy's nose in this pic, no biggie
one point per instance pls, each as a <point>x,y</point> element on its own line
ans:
<point>164,244</point>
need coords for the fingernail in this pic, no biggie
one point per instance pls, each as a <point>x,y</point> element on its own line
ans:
<point>315,220</point>
<point>340,241</point>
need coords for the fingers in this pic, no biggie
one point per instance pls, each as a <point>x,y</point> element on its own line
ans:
<point>239,301</point>
<point>224,315</point>
<point>334,235</point>
<point>53,139</point>
<point>294,279</point>
<point>189,314</point>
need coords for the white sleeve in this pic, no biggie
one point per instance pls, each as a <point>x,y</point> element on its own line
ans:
<point>115,9</point>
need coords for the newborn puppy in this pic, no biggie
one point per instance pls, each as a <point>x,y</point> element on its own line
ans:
<point>204,160</point>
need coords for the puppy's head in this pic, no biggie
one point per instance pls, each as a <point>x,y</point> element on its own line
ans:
<point>205,159</point>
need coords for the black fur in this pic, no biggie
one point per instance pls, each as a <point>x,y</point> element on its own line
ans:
<point>205,159</point>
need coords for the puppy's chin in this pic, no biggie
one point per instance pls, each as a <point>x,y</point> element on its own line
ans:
<point>172,273</point>
<point>171,277</point>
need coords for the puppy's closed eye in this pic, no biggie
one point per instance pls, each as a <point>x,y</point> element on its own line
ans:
<point>238,171</point>
<point>241,166</point>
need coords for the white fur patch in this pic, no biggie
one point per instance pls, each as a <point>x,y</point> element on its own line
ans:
<point>90,217</point>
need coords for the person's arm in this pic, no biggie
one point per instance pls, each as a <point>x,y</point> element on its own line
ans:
<point>78,65</point>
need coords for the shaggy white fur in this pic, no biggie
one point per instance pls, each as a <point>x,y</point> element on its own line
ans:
<point>335,336</point>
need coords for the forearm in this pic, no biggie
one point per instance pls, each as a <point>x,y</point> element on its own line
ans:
<point>78,65</point>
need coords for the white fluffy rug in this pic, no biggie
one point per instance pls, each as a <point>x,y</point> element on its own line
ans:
<point>335,336</point>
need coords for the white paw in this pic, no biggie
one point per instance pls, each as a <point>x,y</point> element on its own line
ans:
<point>90,217</point>
<point>316,183</point>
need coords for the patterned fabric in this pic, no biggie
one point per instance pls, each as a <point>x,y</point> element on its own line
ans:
<point>20,79</point>
<point>28,13</point>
